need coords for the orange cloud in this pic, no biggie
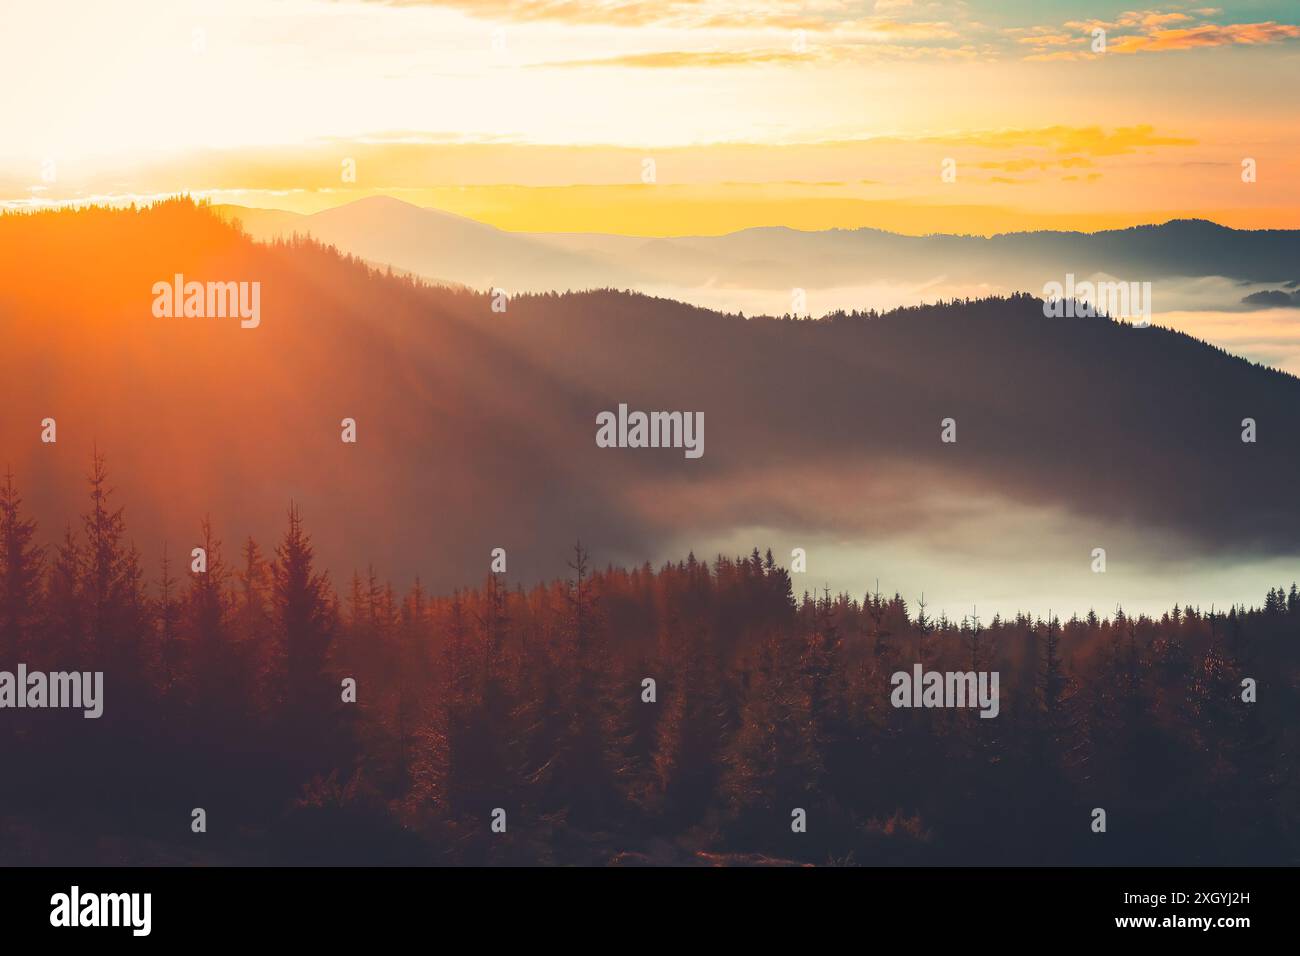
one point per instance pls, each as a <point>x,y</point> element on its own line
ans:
<point>1059,55</point>
<point>1014,165</point>
<point>912,31</point>
<point>1150,19</point>
<point>1049,39</point>
<point>789,14</point>
<point>1207,35</point>
<point>842,17</point>
<point>674,59</point>
<point>840,48</point>
<point>1087,140</point>
<point>1154,34</point>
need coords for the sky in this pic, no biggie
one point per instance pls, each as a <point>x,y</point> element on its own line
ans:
<point>672,117</point>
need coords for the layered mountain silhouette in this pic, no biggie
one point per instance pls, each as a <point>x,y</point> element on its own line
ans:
<point>476,428</point>
<point>437,245</point>
<point>440,246</point>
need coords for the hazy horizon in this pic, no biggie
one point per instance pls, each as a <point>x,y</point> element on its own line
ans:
<point>887,114</point>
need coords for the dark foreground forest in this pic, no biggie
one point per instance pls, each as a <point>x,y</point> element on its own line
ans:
<point>223,691</point>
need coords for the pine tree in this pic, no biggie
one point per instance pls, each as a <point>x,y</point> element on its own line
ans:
<point>773,763</point>
<point>973,635</point>
<point>691,732</point>
<point>465,764</point>
<point>168,616</point>
<point>591,764</point>
<point>254,624</point>
<point>823,689</point>
<point>21,569</point>
<point>304,631</point>
<point>103,582</point>
<point>881,636</point>
<point>358,612</point>
<point>215,673</point>
<point>1052,689</point>
<point>66,612</point>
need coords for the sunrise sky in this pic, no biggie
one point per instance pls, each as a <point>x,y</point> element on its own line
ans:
<point>542,114</point>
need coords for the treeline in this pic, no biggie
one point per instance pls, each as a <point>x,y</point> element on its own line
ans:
<point>620,715</point>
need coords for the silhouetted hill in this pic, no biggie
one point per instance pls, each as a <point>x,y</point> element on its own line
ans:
<point>476,429</point>
<point>437,245</point>
<point>434,244</point>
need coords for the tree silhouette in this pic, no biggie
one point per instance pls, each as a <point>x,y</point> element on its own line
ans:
<point>21,568</point>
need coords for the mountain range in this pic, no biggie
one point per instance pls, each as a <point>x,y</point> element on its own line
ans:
<point>758,268</point>
<point>476,427</point>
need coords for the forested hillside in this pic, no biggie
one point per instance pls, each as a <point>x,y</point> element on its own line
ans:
<point>226,690</point>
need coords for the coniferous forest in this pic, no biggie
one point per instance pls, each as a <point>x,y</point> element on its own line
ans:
<point>226,691</point>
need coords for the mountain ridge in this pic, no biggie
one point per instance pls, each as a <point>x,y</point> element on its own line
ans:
<point>756,269</point>
<point>233,210</point>
<point>477,427</point>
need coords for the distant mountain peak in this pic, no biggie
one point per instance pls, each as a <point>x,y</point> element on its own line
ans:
<point>379,200</point>
<point>382,205</point>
